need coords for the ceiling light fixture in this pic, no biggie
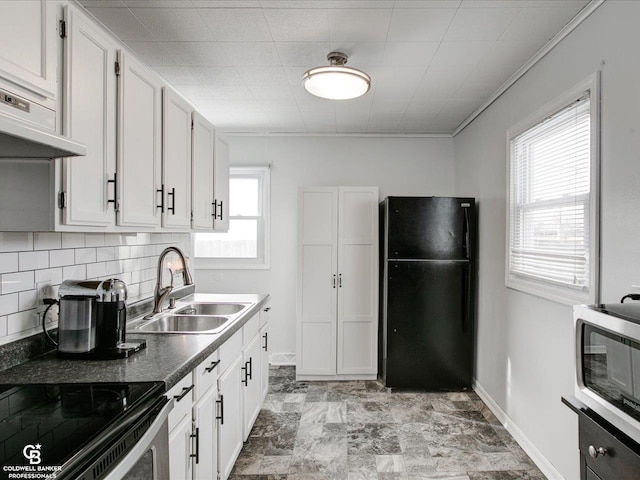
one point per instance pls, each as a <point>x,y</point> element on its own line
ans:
<point>336,82</point>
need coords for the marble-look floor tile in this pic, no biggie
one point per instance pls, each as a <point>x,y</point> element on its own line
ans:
<point>507,475</point>
<point>373,438</point>
<point>275,464</point>
<point>336,412</point>
<point>390,463</point>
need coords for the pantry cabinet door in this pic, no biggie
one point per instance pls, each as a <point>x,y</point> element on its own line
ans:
<point>139,145</point>
<point>89,118</point>
<point>221,186</point>
<point>176,160</point>
<point>317,281</point>
<point>357,280</point>
<point>203,141</point>
<point>28,57</point>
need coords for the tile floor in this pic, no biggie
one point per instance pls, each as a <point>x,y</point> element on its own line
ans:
<point>358,431</point>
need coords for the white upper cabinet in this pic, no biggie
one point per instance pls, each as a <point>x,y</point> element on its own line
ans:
<point>203,141</point>
<point>29,46</point>
<point>337,305</point>
<point>176,161</point>
<point>89,182</point>
<point>221,186</point>
<point>139,145</point>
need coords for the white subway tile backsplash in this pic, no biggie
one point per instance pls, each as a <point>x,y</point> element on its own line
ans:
<point>33,260</point>
<point>105,254</point>
<point>123,253</point>
<point>16,282</point>
<point>137,251</point>
<point>47,241</point>
<point>73,240</point>
<point>85,255</point>
<point>95,270</point>
<point>112,239</point>
<point>61,258</point>
<point>51,275</point>
<point>21,321</point>
<point>3,326</point>
<point>16,241</point>
<point>144,238</point>
<point>9,304</point>
<point>27,300</point>
<point>8,262</point>
<point>74,272</point>
<point>94,239</point>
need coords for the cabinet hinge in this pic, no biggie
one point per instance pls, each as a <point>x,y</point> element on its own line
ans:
<point>117,68</point>
<point>62,200</point>
<point>63,29</point>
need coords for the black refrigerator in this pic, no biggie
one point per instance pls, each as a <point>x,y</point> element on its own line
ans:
<point>427,285</point>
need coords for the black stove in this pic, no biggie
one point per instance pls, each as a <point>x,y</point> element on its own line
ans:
<point>628,311</point>
<point>62,428</point>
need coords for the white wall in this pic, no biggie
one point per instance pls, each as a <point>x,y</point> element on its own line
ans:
<point>525,344</point>
<point>398,166</point>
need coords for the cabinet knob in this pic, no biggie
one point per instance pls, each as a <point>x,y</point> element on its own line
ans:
<point>596,452</point>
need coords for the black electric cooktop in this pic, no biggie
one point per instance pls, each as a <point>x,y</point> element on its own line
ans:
<point>51,426</point>
<point>628,311</point>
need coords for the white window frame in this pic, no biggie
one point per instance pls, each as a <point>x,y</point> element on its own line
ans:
<point>262,262</point>
<point>539,287</point>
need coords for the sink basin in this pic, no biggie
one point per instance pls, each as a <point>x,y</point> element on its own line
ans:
<point>185,324</point>
<point>211,309</point>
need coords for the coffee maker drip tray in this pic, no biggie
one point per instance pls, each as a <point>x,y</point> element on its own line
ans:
<point>122,350</point>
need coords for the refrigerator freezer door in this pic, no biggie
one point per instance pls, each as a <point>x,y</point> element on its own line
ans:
<point>438,228</point>
<point>429,331</point>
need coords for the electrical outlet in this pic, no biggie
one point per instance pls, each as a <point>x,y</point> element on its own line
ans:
<point>43,290</point>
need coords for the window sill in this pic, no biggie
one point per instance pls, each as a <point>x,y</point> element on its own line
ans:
<point>565,296</point>
<point>211,264</point>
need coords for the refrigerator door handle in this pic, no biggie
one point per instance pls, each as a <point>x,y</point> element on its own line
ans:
<point>466,295</point>
<point>466,233</point>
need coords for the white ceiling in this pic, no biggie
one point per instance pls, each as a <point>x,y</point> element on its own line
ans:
<point>432,62</point>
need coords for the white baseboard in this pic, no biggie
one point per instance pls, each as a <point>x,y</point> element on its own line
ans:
<point>538,458</point>
<point>337,378</point>
<point>282,359</point>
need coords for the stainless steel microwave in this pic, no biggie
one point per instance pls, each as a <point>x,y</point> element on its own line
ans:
<point>608,362</point>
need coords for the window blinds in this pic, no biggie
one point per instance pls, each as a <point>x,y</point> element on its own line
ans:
<point>549,199</point>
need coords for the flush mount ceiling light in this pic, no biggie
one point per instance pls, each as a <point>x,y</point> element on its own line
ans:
<point>336,82</point>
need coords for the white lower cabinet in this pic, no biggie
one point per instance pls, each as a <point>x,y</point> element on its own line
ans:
<point>180,449</point>
<point>264,352</point>
<point>251,382</point>
<point>205,412</point>
<point>230,415</point>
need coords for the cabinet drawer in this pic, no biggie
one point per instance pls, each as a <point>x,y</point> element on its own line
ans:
<point>182,395</point>
<point>229,350</point>
<point>206,374</point>
<point>250,329</point>
<point>622,459</point>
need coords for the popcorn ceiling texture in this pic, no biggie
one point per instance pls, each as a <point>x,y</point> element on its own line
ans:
<point>27,259</point>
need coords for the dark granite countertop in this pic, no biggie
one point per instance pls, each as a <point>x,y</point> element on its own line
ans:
<point>167,358</point>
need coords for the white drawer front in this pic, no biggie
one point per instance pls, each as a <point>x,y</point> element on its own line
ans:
<point>229,350</point>
<point>250,329</point>
<point>206,374</point>
<point>182,395</point>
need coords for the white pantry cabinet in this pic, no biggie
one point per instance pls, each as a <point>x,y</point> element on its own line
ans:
<point>28,58</point>
<point>139,144</point>
<point>203,141</point>
<point>221,186</point>
<point>89,182</point>
<point>337,294</point>
<point>176,161</point>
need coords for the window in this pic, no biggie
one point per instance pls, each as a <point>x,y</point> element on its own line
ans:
<point>552,219</point>
<point>246,244</point>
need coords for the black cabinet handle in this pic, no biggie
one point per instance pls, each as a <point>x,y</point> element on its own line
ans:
<point>267,309</point>
<point>250,368</point>
<point>340,280</point>
<point>221,403</point>
<point>214,204</point>
<point>266,341</point>
<point>172,208</point>
<point>161,192</point>
<point>197,454</point>
<point>246,374</point>
<point>115,191</point>
<point>220,202</point>
<point>184,393</point>
<point>213,365</point>
<point>333,282</point>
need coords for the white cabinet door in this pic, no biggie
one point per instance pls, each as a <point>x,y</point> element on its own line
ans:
<point>357,280</point>
<point>205,465</point>
<point>180,464</point>
<point>203,141</point>
<point>317,281</point>
<point>139,144</point>
<point>221,187</point>
<point>89,118</point>
<point>252,384</point>
<point>176,160</point>
<point>264,358</point>
<point>28,56</point>
<point>230,412</point>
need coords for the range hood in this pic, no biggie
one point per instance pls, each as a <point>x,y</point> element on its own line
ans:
<point>19,140</point>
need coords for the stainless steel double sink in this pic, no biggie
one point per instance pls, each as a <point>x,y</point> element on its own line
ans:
<point>195,317</point>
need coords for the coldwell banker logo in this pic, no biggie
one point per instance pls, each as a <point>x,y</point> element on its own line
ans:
<point>32,453</point>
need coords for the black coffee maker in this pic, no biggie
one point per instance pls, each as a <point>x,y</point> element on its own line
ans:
<point>111,321</point>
